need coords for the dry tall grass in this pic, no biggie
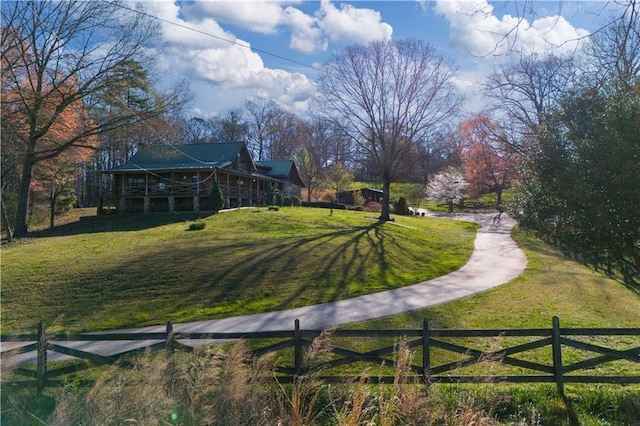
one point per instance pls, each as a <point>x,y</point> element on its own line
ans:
<point>216,386</point>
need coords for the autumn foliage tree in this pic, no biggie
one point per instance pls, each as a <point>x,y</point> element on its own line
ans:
<point>57,176</point>
<point>52,166</point>
<point>59,58</point>
<point>488,158</point>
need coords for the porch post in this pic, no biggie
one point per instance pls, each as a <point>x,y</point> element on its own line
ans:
<point>228,192</point>
<point>251,192</point>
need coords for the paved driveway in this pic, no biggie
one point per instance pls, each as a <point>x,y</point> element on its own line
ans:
<point>496,259</point>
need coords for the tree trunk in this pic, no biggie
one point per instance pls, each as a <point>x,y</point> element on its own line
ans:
<point>499,197</point>
<point>384,214</point>
<point>52,208</point>
<point>22,212</point>
<point>6,220</point>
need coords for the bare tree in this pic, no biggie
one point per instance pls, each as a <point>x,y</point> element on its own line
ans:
<point>260,116</point>
<point>523,92</point>
<point>284,137</point>
<point>229,127</point>
<point>196,130</point>
<point>312,156</point>
<point>384,96</point>
<point>57,54</point>
<point>615,50</point>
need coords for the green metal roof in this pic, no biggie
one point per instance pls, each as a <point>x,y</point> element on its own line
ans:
<point>282,169</point>
<point>277,168</point>
<point>190,156</point>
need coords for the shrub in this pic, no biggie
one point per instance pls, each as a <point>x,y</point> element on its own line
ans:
<point>401,207</point>
<point>217,197</point>
<point>373,206</point>
<point>196,226</point>
<point>274,208</point>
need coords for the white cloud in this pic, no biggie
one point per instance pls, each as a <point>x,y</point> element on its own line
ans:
<point>475,28</point>
<point>306,35</point>
<point>352,25</point>
<point>193,35</point>
<point>347,24</point>
<point>478,29</point>
<point>223,70</point>
<point>262,16</point>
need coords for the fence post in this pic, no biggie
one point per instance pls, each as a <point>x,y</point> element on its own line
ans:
<point>426,358</point>
<point>169,348</point>
<point>41,367</point>
<point>557,356</point>
<point>297,337</point>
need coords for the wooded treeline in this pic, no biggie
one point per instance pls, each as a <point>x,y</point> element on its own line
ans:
<point>562,130</point>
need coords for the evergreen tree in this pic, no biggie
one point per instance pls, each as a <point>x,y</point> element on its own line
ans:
<point>217,197</point>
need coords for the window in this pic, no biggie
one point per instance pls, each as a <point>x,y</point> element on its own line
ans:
<point>135,181</point>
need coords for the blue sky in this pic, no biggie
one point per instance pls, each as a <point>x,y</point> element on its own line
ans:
<point>243,50</point>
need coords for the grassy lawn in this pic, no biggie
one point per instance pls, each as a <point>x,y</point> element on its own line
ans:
<point>111,272</point>
<point>104,272</point>
<point>551,285</point>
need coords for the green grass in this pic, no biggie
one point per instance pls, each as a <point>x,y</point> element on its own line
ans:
<point>551,285</point>
<point>111,272</point>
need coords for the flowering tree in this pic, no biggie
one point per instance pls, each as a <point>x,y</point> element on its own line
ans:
<point>489,161</point>
<point>447,186</point>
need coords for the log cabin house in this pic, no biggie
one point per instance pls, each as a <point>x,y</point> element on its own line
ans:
<point>169,178</point>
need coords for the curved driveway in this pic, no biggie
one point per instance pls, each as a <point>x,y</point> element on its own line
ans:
<point>496,259</point>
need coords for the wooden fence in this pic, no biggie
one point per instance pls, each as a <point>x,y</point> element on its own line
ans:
<point>424,341</point>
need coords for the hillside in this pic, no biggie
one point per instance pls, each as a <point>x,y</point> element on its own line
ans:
<point>112,272</point>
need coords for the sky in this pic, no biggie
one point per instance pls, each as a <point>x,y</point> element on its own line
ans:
<point>231,51</point>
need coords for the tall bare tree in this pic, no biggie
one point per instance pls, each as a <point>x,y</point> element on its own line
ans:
<point>56,54</point>
<point>261,115</point>
<point>229,127</point>
<point>386,95</point>
<point>522,93</point>
<point>615,50</point>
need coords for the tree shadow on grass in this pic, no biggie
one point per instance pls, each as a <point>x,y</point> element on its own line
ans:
<point>115,223</point>
<point>235,281</point>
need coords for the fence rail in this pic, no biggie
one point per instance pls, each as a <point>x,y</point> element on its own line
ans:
<point>424,341</point>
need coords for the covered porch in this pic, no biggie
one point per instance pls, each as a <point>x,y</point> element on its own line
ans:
<point>181,190</point>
